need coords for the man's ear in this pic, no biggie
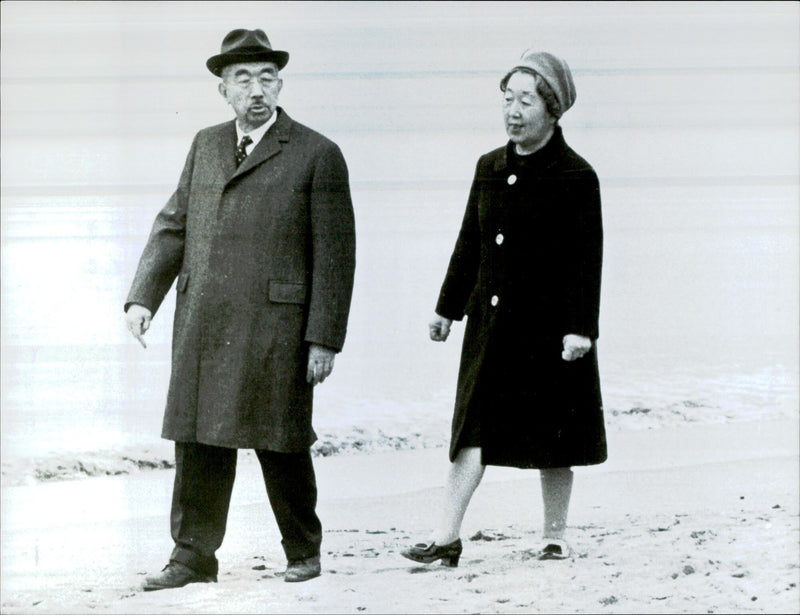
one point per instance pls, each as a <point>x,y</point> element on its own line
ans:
<point>223,90</point>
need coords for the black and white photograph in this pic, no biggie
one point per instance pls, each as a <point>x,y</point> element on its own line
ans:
<point>399,307</point>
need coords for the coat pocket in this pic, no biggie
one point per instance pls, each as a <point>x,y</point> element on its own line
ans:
<point>287,292</point>
<point>183,282</point>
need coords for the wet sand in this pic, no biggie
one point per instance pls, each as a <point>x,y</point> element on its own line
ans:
<point>705,521</point>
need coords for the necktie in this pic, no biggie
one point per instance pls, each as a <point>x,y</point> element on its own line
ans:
<point>241,151</point>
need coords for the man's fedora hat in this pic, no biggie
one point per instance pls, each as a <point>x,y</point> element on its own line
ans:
<point>246,46</point>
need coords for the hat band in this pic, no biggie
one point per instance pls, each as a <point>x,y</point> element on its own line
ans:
<point>245,51</point>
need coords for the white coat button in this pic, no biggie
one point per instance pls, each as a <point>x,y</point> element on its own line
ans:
<point>499,239</point>
<point>495,299</point>
<point>512,179</point>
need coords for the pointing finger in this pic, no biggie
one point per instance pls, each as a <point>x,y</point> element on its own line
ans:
<point>139,337</point>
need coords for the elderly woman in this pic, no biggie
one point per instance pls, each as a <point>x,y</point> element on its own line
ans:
<point>526,272</point>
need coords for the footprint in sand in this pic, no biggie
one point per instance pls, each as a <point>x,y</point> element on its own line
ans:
<point>419,570</point>
<point>489,535</point>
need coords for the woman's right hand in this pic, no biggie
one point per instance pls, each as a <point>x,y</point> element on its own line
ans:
<point>440,328</point>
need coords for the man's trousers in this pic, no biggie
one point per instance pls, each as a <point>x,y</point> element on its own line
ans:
<point>202,493</point>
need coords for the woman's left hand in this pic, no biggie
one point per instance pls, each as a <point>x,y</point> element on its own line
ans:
<point>575,346</point>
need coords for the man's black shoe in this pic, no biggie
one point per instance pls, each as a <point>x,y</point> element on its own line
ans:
<point>176,574</point>
<point>302,570</point>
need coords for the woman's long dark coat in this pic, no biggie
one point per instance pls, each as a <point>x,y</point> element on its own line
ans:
<point>264,256</point>
<point>526,271</point>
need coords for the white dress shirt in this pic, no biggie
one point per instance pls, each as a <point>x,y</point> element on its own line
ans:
<point>257,134</point>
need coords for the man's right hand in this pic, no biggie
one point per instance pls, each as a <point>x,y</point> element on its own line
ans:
<point>137,319</point>
<point>440,328</point>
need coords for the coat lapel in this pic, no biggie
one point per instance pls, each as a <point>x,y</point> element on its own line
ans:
<point>501,161</point>
<point>269,146</point>
<point>226,148</point>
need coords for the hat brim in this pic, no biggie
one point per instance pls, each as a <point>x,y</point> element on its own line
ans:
<point>216,63</point>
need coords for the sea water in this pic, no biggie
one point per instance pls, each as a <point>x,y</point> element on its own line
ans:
<point>696,151</point>
<point>698,315</point>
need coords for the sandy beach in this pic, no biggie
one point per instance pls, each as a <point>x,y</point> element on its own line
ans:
<point>689,114</point>
<point>706,522</point>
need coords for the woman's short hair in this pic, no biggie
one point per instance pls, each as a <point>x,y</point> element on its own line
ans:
<point>542,88</point>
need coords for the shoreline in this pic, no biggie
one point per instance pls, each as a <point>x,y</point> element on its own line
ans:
<point>128,461</point>
<point>331,442</point>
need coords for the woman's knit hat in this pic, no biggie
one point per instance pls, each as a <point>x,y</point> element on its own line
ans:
<point>553,70</point>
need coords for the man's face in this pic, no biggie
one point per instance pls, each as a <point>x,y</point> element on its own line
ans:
<point>252,89</point>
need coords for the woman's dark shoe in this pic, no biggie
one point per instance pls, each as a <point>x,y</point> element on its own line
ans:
<point>176,574</point>
<point>554,549</point>
<point>429,553</point>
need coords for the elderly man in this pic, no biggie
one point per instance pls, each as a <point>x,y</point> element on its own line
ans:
<point>260,236</point>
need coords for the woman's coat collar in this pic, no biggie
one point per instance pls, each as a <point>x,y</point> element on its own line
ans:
<point>551,151</point>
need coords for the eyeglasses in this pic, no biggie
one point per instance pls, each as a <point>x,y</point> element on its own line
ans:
<point>245,81</point>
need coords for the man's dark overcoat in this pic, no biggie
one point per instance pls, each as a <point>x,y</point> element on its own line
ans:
<point>264,257</point>
<point>526,271</point>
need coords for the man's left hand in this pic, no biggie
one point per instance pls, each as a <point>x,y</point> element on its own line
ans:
<point>575,346</point>
<point>320,364</point>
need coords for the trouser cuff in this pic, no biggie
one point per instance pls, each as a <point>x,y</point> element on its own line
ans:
<point>201,564</point>
<point>296,554</point>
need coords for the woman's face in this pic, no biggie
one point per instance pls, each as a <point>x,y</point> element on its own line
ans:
<point>528,123</point>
